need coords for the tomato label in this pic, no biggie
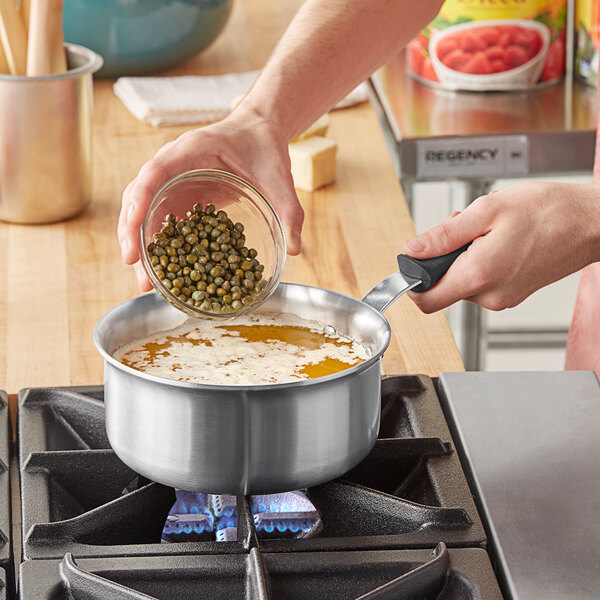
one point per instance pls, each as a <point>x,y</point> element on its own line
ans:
<point>489,45</point>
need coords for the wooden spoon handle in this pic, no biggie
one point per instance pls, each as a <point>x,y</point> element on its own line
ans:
<point>3,62</point>
<point>45,50</point>
<point>13,37</point>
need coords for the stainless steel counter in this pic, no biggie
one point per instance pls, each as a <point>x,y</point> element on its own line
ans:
<point>530,447</point>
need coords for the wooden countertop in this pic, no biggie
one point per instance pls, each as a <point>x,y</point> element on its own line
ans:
<point>57,280</point>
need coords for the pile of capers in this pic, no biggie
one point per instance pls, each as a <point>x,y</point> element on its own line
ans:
<point>202,259</point>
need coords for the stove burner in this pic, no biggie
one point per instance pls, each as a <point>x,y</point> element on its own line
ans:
<point>200,517</point>
<point>78,497</point>
<point>189,519</point>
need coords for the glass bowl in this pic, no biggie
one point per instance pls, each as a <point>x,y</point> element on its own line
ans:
<point>243,204</point>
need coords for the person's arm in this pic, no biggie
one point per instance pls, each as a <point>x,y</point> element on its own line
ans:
<point>525,237</point>
<point>330,46</point>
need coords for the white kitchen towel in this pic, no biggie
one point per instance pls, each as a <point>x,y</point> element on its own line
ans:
<point>163,101</point>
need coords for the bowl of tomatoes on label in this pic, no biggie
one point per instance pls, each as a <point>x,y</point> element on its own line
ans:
<point>506,54</point>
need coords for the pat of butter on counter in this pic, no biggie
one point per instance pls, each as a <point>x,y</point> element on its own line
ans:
<point>313,162</point>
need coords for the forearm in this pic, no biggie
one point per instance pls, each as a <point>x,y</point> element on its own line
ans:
<point>328,49</point>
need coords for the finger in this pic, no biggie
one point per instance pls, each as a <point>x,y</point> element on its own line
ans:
<point>277,185</point>
<point>141,277</point>
<point>288,207</point>
<point>152,176</point>
<point>465,278</point>
<point>453,233</point>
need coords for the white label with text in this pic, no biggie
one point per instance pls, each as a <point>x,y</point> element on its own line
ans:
<point>507,155</point>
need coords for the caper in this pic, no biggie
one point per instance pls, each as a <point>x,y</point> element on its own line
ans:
<point>210,209</point>
<point>195,275</point>
<point>217,272</point>
<point>211,289</point>
<point>236,305</point>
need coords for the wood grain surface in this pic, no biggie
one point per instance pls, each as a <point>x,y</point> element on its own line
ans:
<point>57,280</point>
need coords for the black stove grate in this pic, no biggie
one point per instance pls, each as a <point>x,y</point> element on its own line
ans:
<point>78,497</point>
<point>5,516</point>
<point>372,575</point>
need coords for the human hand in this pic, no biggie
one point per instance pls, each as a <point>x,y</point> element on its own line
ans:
<point>244,144</point>
<point>525,237</point>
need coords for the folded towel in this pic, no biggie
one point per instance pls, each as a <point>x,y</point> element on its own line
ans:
<point>163,101</point>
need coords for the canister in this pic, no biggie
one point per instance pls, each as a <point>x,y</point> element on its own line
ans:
<point>46,141</point>
<point>483,45</point>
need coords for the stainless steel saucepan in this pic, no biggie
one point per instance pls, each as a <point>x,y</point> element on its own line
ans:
<point>257,438</point>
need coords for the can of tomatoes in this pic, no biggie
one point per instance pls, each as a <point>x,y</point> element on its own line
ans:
<point>587,27</point>
<point>483,45</point>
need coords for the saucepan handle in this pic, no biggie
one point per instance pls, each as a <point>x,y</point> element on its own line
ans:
<point>427,271</point>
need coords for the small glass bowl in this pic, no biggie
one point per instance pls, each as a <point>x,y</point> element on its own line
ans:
<point>243,203</point>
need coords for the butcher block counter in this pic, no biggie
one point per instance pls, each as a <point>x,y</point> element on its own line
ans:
<point>57,280</point>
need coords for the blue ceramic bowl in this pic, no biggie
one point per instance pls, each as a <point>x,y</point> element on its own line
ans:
<point>142,36</point>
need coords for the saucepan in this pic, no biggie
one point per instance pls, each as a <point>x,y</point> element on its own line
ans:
<point>254,439</point>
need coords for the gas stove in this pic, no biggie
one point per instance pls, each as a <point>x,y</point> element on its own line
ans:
<point>402,524</point>
<point>5,555</point>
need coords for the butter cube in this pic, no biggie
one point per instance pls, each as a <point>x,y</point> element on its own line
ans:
<point>313,162</point>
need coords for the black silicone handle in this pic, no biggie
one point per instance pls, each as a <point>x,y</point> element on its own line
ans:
<point>428,270</point>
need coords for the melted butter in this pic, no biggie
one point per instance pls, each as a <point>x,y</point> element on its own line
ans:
<point>256,349</point>
<point>303,337</point>
<point>327,366</point>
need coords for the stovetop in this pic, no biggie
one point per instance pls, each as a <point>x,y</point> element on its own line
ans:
<point>5,554</point>
<point>402,524</point>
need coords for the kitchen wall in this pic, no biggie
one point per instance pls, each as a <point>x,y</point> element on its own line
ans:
<point>531,336</point>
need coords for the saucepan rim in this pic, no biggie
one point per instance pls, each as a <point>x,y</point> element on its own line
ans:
<point>202,387</point>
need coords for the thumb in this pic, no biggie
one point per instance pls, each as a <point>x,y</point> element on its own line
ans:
<point>456,231</point>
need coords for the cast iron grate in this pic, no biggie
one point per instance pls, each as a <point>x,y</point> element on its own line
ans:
<point>78,497</point>
<point>371,575</point>
<point>5,517</point>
